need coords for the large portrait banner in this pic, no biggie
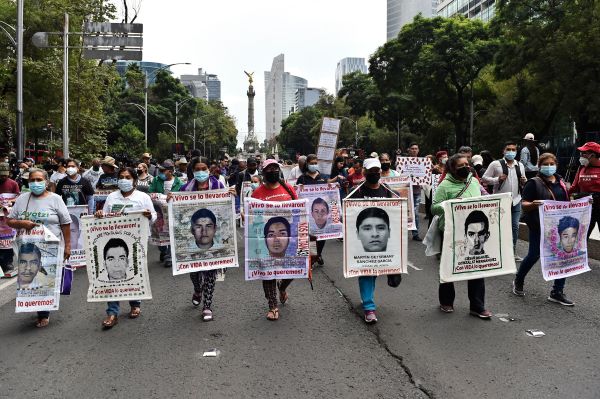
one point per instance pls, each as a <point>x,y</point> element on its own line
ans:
<point>375,237</point>
<point>402,186</point>
<point>563,247</point>
<point>116,250</point>
<point>77,258</point>
<point>324,206</point>
<point>7,233</point>
<point>277,239</point>
<point>477,238</point>
<point>203,235</point>
<point>419,169</point>
<point>159,231</point>
<point>100,198</point>
<point>39,262</point>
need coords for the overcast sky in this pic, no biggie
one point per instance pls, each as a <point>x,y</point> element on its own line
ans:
<point>227,37</point>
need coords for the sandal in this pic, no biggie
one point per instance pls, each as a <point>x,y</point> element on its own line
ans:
<point>207,315</point>
<point>134,313</point>
<point>42,322</point>
<point>273,314</point>
<point>110,321</point>
<point>283,295</point>
<point>196,298</point>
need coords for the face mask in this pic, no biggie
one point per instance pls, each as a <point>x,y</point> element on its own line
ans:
<point>254,185</point>
<point>444,160</point>
<point>71,171</point>
<point>37,187</point>
<point>584,161</point>
<point>201,176</point>
<point>386,166</point>
<point>272,176</point>
<point>510,155</point>
<point>313,168</point>
<point>125,185</point>
<point>96,168</point>
<point>463,172</point>
<point>140,171</point>
<point>373,178</point>
<point>548,170</point>
<point>162,176</point>
<point>21,170</point>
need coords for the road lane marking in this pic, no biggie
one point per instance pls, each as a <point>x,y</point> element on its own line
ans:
<point>413,266</point>
<point>8,283</point>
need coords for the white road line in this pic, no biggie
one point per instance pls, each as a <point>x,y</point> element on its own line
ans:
<point>8,283</point>
<point>413,266</point>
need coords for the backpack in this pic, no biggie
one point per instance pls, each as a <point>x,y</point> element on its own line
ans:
<point>504,166</point>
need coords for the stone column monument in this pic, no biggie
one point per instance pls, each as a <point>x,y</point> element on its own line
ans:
<point>251,142</point>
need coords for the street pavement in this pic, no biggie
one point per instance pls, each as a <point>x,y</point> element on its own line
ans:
<point>319,348</point>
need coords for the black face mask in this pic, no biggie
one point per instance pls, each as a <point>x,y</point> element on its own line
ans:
<point>386,166</point>
<point>373,178</point>
<point>463,172</point>
<point>272,176</point>
<point>96,168</point>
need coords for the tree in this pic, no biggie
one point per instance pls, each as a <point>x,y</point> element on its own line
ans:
<point>129,143</point>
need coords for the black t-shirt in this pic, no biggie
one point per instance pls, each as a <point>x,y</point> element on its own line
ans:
<point>534,190</point>
<point>108,181</point>
<point>308,180</point>
<point>366,192</point>
<point>74,193</point>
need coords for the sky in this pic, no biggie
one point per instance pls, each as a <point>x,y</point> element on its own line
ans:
<point>226,37</point>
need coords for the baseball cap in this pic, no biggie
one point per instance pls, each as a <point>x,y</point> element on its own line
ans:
<point>110,161</point>
<point>374,154</point>
<point>529,136</point>
<point>371,163</point>
<point>4,169</point>
<point>167,164</point>
<point>268,162</point>
<point>146,155</point>
<point>590,146</point>
<point>477,160</point>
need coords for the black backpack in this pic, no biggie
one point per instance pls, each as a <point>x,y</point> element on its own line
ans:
<point>505,172</point>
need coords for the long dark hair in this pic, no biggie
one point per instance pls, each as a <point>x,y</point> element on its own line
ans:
<point>452,161</point>
<point>192,164</point>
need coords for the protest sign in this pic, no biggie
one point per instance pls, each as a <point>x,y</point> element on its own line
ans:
<point>159,231</point>
<point>419,169</point>
<point>477,238</point>
<point>7,234</point>
<point>116,251</point>
<point>327,144</point>
<point>331,125</point>
<point>39,261</point>
<point>277,240</point>
<point>402,186</point>
<point>203,235</point>
<point>100,199</point>
<point>563,247</point>
<point>375,236</point>
<point>77,258</point>
<point>324,206</point>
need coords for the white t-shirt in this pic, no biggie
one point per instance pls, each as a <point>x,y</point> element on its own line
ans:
<point>169,185</point>
<point>137,201</point>
<point>50,211</point>
<point>56,177</point>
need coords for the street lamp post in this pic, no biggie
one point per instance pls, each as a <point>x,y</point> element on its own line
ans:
<point>355,129</point>
<point>19,41</point>
<point>178,106</point>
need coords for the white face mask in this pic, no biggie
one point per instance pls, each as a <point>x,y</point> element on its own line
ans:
<point>71,171</point>
<point>584,161</point>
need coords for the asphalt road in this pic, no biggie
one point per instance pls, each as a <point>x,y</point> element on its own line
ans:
<point>319,348</point>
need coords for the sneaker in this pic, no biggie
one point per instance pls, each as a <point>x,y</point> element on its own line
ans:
<point>518,258</point>
<point>196,298</point>
<point>320,261</point>
<point>447,308</point>
<point>207,315</point>
<point>559,297</point>
<point>370,317</point>
<point>417,238</point>
<point>162,256</point>
<point>517,288</point>
<point>484,314</point>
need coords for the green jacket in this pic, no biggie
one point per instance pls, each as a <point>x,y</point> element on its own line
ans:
<point>449,188</point>
<point>158,185</point>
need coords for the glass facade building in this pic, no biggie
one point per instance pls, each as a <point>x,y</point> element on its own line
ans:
<point>346,66</point>
<point>402,12</point>
<point>204,85</point>
<point>145,66</point>
<point>474,9</point>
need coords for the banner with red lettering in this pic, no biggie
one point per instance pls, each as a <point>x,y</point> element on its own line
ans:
<point>116,249</point>
<point>477,238</point>
<point>39,261</point>
<point>202,231</point>
<point>419,169</point>
<point>563,245</point>
<point>325,210</point>
<point>277,240</point>
<point>375,236</point>
<point>77,258</point>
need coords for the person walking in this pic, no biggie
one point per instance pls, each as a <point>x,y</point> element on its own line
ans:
<point>507,175</point>
<point>126,199</point>
<point>547,185</point>
<point>93,174</point>
<point>386,166</point>
<point>144,178</point>
<point>42,207</point>
<point>459,183</point>
<point>74,188</point>
<point>529,156</point>
<point>587,180</point>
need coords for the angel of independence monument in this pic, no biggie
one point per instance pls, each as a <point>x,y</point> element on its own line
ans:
<point>251,145</point>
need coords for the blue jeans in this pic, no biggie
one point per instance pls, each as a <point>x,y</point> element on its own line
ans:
<point>366,285</point>
<point>417,202</point>
<point>113,307</point>
<point>515,212</point>
<point>533,256</point>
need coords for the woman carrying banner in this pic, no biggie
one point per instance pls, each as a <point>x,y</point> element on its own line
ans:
<point>547,185</point>
<point>126,198</point>
<point>459,183</point>
<point>200,179</point>
<point>274,189</point>
<point>310,176</point>
<point>41,206</point>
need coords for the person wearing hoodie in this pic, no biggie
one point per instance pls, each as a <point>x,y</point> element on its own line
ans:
<point>459,183</point>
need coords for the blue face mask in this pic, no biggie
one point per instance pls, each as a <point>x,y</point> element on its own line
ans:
<point>510,155</point>
<point>313,168</point>
<point>162,176</point>
<point>201,176</point>
<point>548,170</point>
<point>254,185</point>
<point>37,187</point>
<point>125,185</point>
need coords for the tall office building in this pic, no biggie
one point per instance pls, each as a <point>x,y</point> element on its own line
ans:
<point>475,9</point>
<point>402,12</point>
<point>148,67</point>
<point>280,95</point>
<point>346,66</point>
<point>204,85</point>
<point>306,97</point>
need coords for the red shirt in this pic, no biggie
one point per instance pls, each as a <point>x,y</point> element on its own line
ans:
<point>356,179</point>
<point>9,186</point>
<point>277,194</point>
<point>587,180</point>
